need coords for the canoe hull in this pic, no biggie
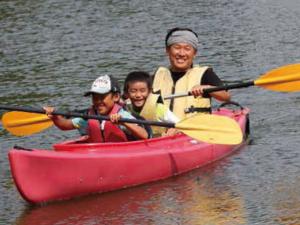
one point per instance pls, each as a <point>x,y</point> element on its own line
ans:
<point>76,169</point>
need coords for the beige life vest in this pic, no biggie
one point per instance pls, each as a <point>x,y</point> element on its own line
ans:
<point>163,81</point>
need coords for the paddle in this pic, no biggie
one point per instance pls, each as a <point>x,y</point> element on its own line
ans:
<point>283,79</point>
<point>208,128</point>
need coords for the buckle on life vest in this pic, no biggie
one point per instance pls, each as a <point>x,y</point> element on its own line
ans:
<point>193,109</point>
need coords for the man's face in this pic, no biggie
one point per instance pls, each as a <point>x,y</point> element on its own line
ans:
<point>181,56</point>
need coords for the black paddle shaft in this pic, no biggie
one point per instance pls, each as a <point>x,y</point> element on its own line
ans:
<point>85,116</point>
<point>228,87</point>
<point>213,89</point>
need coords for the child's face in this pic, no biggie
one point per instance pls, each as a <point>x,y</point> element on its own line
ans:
<point>138,92</point>
<point>105,102</point>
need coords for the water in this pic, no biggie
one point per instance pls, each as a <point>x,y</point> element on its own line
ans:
<point>51,51</point>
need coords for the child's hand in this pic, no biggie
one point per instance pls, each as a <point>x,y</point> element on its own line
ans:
<point>49,110</point>
<point>114,118</point>
<point>171,132</point>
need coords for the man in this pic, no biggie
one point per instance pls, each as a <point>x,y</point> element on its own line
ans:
<point>183,76</point>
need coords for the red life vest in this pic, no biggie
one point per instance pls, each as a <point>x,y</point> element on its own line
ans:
<point>105,131</point>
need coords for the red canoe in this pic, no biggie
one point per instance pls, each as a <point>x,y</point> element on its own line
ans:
<point>76,168</point>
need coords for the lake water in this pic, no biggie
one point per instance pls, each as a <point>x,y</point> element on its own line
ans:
<point>51,51</point>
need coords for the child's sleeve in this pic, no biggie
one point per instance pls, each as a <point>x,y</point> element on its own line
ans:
<point>80,124</point>
<point>126,114</point>
<point>165,114</point>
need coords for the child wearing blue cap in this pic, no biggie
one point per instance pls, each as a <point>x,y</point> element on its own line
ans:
<point>105,94</point>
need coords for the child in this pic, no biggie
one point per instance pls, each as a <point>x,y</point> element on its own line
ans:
<point>137,88</point>
<point>105,94</point>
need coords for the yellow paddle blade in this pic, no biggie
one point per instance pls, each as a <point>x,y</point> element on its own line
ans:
<point>212,129</point>
<point>285,79</point>
<point>24,123</point>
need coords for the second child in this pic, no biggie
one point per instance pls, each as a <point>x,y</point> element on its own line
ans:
<point>138,89</point>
